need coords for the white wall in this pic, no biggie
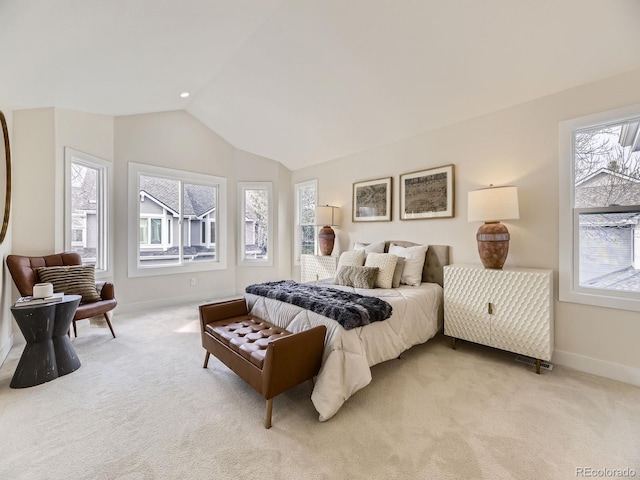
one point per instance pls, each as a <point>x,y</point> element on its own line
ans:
<point>84,132</point>
<point>518,146</point>
<point>169,139</point>
<point>34,182</point>
<point>37,215</point>
<point>178,140</point>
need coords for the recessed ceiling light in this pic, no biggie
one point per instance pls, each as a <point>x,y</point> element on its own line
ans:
<point>184,94</point>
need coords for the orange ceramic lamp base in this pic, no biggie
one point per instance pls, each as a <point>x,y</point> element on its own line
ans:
<point>327,238</point>
<point>493,244</point>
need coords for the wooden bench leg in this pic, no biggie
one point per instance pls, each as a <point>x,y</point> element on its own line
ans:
<point>206,360</point>
<point>267,423</point>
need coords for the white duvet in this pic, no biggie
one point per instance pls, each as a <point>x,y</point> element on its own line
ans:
<point>349,354</point>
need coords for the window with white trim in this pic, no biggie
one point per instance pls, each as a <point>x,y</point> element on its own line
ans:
<point>175,219</point>
<point>600,209</point>
<point>256,223</point>
<point>305,231</point>
<point>87,193</point>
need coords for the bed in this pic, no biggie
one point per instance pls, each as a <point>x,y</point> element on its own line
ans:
<point>349,354</point>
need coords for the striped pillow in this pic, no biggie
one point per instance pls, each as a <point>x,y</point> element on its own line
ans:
<point>358,277</point>
<point>72,280</point>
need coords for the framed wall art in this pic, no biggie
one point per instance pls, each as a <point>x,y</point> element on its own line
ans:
<point>372,200</point>
<point>427,193</point>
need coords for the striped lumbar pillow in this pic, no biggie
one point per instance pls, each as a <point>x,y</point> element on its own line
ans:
<point>72,280</point>
<point>358,277</point>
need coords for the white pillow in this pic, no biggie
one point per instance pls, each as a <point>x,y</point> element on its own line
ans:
<point>377,247</point>
<point>354,258</point>
<point>414,258</point>
<point>386,264</point>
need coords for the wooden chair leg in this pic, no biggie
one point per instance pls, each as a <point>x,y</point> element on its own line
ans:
<point>267,423</point>
<point>75,332</point>
<point>106,317</point>
<point>206,360</point>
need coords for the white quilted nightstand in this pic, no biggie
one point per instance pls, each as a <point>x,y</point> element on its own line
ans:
<point>317,267</point>
<point>510,309</point>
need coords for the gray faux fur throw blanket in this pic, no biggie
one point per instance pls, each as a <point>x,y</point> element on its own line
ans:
<point>350,310</point>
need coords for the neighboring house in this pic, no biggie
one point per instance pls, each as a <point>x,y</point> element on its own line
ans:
<point>606,187</point>
<point>159,219</point>
<point>609,242</point>
<point>84,221</point>
<point>160,222</point>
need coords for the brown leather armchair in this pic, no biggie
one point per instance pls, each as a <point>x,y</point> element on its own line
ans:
<point>24,272</point>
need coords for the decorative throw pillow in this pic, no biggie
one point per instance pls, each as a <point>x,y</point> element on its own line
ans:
<point>72,280</point>
<point>354,258</point>
<point>377,247</point>
<point>387,264</point>
<point>397,273</point>
<point>358,277</point>
<point>413,263</point>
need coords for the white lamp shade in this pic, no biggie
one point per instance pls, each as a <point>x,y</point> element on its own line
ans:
<point>493,204</point>
<point>326,215</point>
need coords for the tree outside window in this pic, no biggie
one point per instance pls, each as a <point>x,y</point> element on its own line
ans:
<point>255,222</point>
<point>86,210</point>
<point>306,200</point>
<point>607,206</point>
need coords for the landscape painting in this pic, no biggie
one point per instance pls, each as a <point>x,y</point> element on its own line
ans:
<point>372,200</point>
<point>427,193</point>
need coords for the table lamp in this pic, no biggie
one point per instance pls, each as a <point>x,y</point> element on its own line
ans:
<point>490,205</point>
<point>327,216</point>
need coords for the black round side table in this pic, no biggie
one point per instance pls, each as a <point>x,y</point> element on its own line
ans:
<point>48,353</point>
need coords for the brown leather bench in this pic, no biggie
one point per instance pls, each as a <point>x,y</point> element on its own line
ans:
<point>269,358</point>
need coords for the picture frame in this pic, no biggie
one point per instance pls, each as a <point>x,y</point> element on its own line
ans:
<point>427,193</point>
<point>372,200</point>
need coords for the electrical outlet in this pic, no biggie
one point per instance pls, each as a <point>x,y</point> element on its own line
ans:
<point>193,281</point>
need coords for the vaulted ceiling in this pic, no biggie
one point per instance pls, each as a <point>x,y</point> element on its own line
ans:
<point>305,81</point>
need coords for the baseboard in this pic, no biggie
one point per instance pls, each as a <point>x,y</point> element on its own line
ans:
<point>136,307</point>
<point>614,371</point>
<point>5,348</point>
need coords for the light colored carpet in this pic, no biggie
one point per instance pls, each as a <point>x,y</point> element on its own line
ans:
<point>142,407</point>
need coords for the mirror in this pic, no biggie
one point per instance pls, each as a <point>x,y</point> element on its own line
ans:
<point>5,177</point>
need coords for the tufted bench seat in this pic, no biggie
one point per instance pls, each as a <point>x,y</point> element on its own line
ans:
<point>267,357</point>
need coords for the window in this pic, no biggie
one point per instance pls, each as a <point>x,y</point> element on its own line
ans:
<point>600,210</point>
<point>152,231</point>
<point>255,222</point>
<point>305,230</point>
<point>175,218</point>
<point>87,209</point>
